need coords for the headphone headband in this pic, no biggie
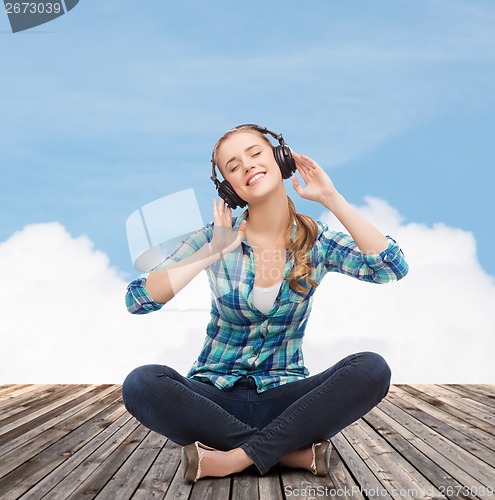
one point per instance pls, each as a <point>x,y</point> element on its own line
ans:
<point>263,130</point>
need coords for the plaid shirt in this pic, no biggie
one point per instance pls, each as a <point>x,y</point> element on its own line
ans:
<point>240,339</point>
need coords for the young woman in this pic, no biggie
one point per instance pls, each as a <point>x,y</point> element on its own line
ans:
<point>248,399</point>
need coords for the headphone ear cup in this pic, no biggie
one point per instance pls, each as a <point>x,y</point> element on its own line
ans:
<point>284,159</point>
<point>227,193</point>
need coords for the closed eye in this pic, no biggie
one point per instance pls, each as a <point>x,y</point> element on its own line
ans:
<point>234,168</point>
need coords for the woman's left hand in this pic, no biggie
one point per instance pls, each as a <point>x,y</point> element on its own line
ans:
<point>318,185</point>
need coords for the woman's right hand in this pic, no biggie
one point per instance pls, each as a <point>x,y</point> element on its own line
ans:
<point>225,239</point>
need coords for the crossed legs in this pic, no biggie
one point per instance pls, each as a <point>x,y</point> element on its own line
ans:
<point>285,421</point>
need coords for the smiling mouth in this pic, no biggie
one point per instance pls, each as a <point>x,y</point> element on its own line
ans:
<point>256,178</point>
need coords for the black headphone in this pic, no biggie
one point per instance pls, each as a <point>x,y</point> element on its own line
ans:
<point>282,155</point>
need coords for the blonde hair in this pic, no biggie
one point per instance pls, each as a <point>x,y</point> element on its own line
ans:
<point>300,278</point>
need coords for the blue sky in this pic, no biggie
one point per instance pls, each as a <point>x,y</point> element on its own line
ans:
<point>114,105</point>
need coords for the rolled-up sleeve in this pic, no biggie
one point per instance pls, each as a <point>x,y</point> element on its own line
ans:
<point>137,299</point>
<point>343,256</point>
<point>388,265</point>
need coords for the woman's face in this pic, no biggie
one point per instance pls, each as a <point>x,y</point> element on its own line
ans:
<point>246,161</point>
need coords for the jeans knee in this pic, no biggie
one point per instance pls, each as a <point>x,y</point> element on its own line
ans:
<point>379,372</point>
<point>134,386</point>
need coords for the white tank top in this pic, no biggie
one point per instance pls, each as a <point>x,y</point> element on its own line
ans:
<point>264,297</point>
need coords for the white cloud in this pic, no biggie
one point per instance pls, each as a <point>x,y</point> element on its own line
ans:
<point>435,325</point>
<point>64,320</point>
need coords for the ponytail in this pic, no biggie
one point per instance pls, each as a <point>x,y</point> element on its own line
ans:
<point>300,279</point>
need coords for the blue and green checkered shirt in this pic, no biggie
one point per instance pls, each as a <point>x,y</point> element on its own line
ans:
<point>241,340</point>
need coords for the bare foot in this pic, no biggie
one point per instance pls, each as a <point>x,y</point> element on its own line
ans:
<point>216,463</point>
<point>299,459</point>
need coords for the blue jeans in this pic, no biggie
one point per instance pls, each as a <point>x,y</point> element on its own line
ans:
<point>265,425</point>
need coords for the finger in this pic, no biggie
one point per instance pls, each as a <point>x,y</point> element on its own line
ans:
<point>220,206</point>
<point>297,187</point>
<point>226,210</point>
<point>304,172</point>
<point>217,213</point>
<point>241,232</point>
<point>309,163</point>
<point>297,158</point>
<point>304,163</point>
<point>303,166</point>
<point>228,216</point>
<point>242,227</point>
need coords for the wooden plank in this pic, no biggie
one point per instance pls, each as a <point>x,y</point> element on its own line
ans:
<point>395,474</point>
<point>19,393</point>
<point>472,440</point>
<point>161,473</point>
<point>448,456</point>
<point>125,481</point>
<point>211,489</point>
<point>39,429</point>
<point>178,487</point>
<point>420,435</point>
<point>91,457</point>
<point>15,404</point>
<point>488,387</point>
<point>483,395</point>
<point>303,484</point>
<point>269,487</point>
<point>54,483</point>
<point>43,414</point>
<point>359,468</point>
<point>244,486</point>
<point>464,402</point>
<point>40,401</point>
<point>18,456</point>
<point>347,488</point>
<point>470,396</point>
<point>466,422</point>
<point>443,446</point>
<point>93,484</point>
<point>419,454</point>
<point>467,405</point>
<point>6,386</point>
<point>34,460</point>
<point>12,388</point>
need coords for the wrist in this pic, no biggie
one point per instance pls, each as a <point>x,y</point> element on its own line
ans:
<point>332,201</point>
<point>215,252</point>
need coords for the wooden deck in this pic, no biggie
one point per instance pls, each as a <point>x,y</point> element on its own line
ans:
<point>78,442</point>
